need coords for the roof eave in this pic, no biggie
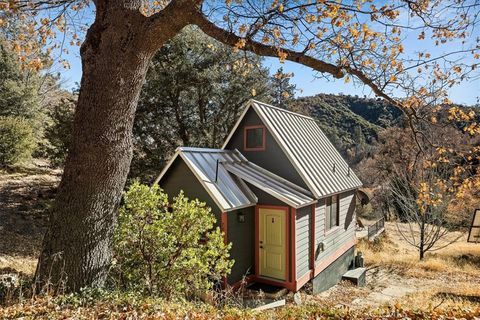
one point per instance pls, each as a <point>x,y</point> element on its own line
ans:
<point>237,124</point>
<point>165,169</point>
<point>338,192</point>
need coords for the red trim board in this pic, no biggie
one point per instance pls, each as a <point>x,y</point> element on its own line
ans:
<point>257,242</point>
<point>292,282</point>
<point>313,240</point>
<point>285,284</point>
<point>224,228</point>
<point>293,247</point>
<point>301,281</point>
<point>325,263</point>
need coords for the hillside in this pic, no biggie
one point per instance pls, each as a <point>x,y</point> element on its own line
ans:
<point>349,121</point>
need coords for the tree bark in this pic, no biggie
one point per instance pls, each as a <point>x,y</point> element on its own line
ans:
<point>421,247</point>
<point>116,53</point>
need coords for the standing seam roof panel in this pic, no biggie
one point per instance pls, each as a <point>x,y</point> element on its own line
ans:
<point>310,161</point>
<point>296,146</point>
<point>229,184</point>
<point>327,169</point>
<point>270,183</point>
<point>321,171</point>
<point>226,192</point>
<point>309,149</point>
<point>293,142</point>
<point>230,191</point>
<point>278,135</point>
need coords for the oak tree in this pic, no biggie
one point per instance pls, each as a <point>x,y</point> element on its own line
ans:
<point>355,40</point>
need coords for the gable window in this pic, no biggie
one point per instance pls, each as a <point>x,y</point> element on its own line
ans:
<point>332,212</point>
<point>254,138</point>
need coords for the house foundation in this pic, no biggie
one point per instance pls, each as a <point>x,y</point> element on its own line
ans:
<point>331,275</point>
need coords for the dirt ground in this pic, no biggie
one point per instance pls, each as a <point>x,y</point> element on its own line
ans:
<point>25,195</point>
<point>394,274</point>
<point>450,276</point>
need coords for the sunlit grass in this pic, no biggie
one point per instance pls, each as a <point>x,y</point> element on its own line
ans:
<point>449,277</point>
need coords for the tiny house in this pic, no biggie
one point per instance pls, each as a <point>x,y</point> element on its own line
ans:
<point>282,194</point>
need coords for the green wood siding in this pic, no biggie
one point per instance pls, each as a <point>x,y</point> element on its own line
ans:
<point>242,237</point>
<point>180,177</point>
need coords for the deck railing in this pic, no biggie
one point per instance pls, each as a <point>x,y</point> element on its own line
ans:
<point>376,227</point>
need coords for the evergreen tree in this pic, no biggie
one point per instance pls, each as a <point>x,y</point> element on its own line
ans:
<point>194,91</point>
<point>18,89</point>
<point>283,91</point>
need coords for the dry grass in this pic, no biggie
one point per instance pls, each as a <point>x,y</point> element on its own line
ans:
<point>25,195</point>
<point>463,295</point>
<point>448,277</point>
<point>460,258</point>
<point>18,264</point>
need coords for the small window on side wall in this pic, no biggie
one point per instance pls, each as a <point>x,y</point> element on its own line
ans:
<point>332,212</point>
<point>254,138</point>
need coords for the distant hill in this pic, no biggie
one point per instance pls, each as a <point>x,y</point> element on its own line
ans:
<point>351,122</point>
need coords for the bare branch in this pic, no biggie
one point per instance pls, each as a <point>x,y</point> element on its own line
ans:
<point>231,39</point>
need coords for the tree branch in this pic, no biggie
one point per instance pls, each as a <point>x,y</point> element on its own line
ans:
<point>231,39</point>
<point>166,23</point>
<point>336,71</point>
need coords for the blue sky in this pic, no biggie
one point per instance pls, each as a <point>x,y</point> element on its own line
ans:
<point>306,80</point>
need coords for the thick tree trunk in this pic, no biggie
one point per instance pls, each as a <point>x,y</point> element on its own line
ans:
<point>76,249</point>
<point>115,56</point>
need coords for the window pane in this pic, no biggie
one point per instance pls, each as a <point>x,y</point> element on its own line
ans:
<point>328,204</point>
<point>254,138</point>
<point>333,211</point>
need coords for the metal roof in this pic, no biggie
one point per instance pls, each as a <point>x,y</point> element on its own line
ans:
<point>270,183</point>
<point>227,187</point>
<point>228,192</point>
<point>314,157</point>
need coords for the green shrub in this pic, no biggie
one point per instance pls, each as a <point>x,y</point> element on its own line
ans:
<point>58,133</point>
<point>17,140</point>
<point>174,252</point>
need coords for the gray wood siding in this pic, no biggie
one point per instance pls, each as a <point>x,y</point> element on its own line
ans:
<point>242,237</point>
<point>338,236</point>
<point>180,177</point>
<point>272,158</point>
<point>302,239</point>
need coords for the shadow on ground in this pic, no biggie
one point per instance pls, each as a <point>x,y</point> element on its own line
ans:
<point>458,297</point>
<point>26,194</point>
